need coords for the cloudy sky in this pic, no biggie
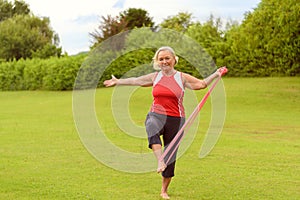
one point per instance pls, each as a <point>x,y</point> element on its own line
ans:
<point>74,20</point>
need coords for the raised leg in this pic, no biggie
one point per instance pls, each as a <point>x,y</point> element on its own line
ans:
<point>157,150</point>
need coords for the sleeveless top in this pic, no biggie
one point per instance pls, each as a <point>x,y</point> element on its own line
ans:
<point>168,92</point>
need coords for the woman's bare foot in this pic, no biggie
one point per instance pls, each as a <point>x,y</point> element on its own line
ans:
<point>161,167</point>
<point>164,195</point>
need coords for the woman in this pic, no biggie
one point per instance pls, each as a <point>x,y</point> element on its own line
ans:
<point>166,115</point>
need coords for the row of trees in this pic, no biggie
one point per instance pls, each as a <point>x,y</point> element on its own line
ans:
<point>268,40</point>
<point>266,43</point>
<point>24,35</point>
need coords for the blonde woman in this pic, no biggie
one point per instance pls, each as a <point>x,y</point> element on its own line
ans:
<point>166,115</point>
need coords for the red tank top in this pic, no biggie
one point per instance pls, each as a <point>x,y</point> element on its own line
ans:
<point>168,92</point>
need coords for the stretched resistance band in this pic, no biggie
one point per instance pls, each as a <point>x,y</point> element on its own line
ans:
<point>173,146</point>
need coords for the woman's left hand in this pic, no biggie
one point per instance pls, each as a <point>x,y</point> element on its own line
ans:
<point>222,70</point>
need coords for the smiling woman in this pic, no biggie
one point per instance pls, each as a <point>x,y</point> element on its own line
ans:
<point>167,115</point>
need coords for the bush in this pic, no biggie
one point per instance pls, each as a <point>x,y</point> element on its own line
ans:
<point>38,74</point>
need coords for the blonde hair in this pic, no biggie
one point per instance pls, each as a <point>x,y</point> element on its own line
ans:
<point>155,58</point>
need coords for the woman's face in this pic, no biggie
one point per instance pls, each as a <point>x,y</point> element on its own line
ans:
<point>166,59</point>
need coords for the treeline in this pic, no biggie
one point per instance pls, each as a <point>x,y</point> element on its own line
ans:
<point>265,43</point>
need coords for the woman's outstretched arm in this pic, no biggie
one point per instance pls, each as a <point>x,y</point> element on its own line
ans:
<point>144,81</point>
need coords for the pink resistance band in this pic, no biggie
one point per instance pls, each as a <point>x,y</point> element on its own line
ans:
<point>187,124</point>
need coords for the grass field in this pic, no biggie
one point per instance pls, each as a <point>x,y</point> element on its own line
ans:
<point>256,157</point>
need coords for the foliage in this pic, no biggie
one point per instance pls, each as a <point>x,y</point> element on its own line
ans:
<point>210,36</point>
<point>9,9</point>
<point>267,43</point>
<point>126,20</point>
<point>136,17</point>
<point>40,74</point>
<point>26,37</point>
<point>180,22</point>
<point>23,35</point>
<point>109,26</point>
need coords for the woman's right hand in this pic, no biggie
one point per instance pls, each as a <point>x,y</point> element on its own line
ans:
<point>111,82</point>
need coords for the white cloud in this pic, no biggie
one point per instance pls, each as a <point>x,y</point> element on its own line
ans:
<point>74,20</point>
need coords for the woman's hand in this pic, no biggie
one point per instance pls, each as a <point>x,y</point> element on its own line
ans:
<point>222,70</point>
<point>111,82</point>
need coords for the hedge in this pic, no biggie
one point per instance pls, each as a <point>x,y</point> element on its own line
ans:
<point>38,74</point>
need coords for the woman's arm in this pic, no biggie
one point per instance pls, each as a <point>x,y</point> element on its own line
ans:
<point>145,81</point>
<point>192,82</point>
<point>196,84</point>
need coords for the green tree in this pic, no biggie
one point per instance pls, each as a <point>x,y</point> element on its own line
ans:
<point>136,17</point>
<point>210,36</point>
<point>109,26</point>
<point>8,9</point>
<point>27,36</point>
<point>180,22</point>
<point>268,41</point>
<point>126,20</point>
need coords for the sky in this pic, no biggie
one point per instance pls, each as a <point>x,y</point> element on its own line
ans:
<point>74,20</point>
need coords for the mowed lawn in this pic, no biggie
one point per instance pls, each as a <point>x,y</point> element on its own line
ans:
<point>257,155</point>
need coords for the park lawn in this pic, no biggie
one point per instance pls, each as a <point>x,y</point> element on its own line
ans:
<point>256,157</point>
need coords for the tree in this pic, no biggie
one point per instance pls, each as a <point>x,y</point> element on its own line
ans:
<point>109,26</point>
<point>8,10</point>
<point>136,17</point>
<point>180,22</point>
<point>23,35</point>
<point>126,20</point>
<point>209,35</point>
<point>268,41</point>
<point>27,36</point>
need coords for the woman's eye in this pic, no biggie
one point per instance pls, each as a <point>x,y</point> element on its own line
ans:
<point>162,59</point>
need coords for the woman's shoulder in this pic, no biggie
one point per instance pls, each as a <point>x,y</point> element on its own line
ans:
<point>183,75</point>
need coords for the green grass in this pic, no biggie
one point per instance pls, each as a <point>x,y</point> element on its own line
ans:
<point>256,157</point>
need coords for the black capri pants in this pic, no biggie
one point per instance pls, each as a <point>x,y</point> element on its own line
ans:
<point>168,127</point>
